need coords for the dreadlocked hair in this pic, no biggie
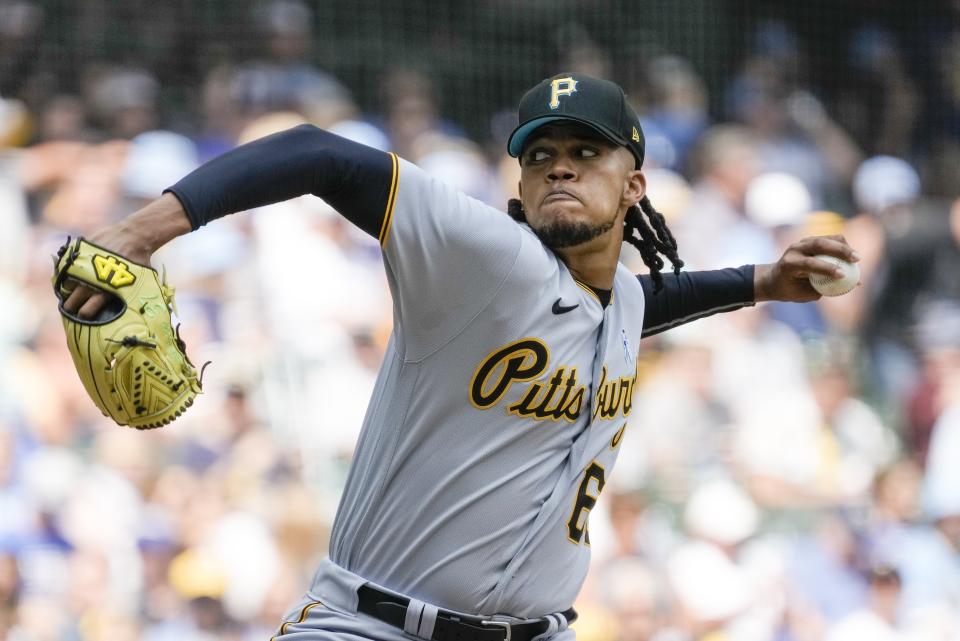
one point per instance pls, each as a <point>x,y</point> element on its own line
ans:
<point>515,210</point>
<point>653,240</point>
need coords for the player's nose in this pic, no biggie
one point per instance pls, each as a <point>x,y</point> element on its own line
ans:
<point>562,169</point>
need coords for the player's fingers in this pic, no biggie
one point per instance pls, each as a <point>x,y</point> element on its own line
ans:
<point>77,298</point>
<point>837,237</point>
<point>832,246</point>
<point>807,265</point>
<point>93,305</point>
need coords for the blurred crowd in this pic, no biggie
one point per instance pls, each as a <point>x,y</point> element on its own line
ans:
<point>789,472</point>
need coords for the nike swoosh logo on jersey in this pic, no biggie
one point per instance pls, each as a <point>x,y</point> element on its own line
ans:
<point>560,309</point>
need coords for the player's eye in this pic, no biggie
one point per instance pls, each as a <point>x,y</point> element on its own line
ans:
<point>588,152</point>
<point>538,155</point>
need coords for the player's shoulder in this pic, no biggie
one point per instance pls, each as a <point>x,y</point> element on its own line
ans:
<point>625,276</point>
<point>423,187</point>
<point>627,286</point>
<point>425,211</point>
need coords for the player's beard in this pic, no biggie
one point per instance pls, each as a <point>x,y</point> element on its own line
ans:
<point>561,234</point>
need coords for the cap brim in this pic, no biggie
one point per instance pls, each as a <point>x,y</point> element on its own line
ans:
<point>519,136</point>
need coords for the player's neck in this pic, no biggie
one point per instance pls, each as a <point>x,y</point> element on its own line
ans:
<point>595,262</point>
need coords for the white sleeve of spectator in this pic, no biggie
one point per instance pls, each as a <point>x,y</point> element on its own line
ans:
<point>446,255</point>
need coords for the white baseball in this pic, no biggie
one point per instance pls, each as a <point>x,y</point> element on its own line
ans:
<point>829,286</point>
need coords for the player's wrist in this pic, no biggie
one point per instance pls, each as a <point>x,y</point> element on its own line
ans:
<point>138,236</point>
<point>761,282</point>
<point>155,225</point>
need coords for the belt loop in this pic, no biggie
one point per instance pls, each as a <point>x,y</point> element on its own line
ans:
<point>428,621</point>
<point>411,624</point>
<point>555,623</point>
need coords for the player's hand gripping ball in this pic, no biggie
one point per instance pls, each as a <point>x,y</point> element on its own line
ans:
<point>132,362</point>
<point>836,286</point>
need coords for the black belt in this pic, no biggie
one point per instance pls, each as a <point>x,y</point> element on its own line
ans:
<point>451,626</point>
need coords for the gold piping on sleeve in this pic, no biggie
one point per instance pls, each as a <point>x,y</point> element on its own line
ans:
<point>391,201</point>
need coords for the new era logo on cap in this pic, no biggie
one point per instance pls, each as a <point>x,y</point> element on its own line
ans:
<point>577,97</point>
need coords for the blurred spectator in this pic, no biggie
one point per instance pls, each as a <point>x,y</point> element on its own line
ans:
<point>670,191</point>
<point>836,442</point>
<point>16,221</point>
<point>776,199</point>
<point>221,117</point>
<point>284,79</point>
<point>16,124</point>
<point>825,573</point>
<point>155,160</point>
<point>457,162</point>
<point>678,404</point>
<point>938,339</point>
<point>580,52</point>
<point>721,513</point>
<point>677,114</point>
<point>636,599</point>
<point>860,444</point>
<point>795,133</point>
<point>910,258</point>
<point>741,594</point>
<point>894,513</point>
<point>78,184</point>
<point>781,204</point>
<point>929,562</point>
<point>411,110</point>
<point>883,108</point>
<point>940,126</point>
<point>714,230</point>
<point>632,521</point>
<point>9,581</point>
<point>877,621</point>
<point>759,368</point>
<point>363,132</point>
<point>942,476</point>
<point>123,101</point>
<point>21,22</point>
<point>64,117</point>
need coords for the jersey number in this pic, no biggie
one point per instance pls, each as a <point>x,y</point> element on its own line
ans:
<point>590,488</point>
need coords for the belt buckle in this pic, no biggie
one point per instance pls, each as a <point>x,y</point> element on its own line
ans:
<point>504,624</point>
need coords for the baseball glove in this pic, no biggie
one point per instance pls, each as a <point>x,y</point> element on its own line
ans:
<point>132,362</point>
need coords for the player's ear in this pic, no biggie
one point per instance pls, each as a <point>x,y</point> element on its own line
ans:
<point>635,187</point>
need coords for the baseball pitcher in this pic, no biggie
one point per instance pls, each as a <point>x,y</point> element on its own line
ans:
<point>505,390</point>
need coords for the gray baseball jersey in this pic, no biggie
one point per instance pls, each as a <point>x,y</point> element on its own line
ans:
<point>497,414</point>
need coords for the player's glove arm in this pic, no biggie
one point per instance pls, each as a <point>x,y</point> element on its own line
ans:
<point>692,295</point>
<point>353,178</point>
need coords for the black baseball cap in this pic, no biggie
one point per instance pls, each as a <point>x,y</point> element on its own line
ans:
<point>599,104</point>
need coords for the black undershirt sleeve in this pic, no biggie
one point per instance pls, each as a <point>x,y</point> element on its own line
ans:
<point>693,295</point>
<point>354,179</point>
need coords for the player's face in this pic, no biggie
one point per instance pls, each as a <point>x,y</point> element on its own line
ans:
<point>576,185</point>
